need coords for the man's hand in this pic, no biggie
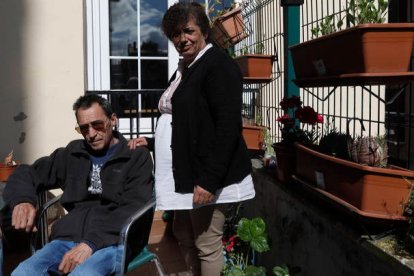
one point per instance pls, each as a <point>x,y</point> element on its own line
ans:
<point>137,142</point>
<point>23,217</point>
<point>202,196</point>
<point>74,257</point>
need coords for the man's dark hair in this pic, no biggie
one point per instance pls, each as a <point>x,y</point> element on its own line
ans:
<point>86,101</point>
<point>179,14</point>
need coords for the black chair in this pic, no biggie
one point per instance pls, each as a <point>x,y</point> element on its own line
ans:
<point>133,236</point>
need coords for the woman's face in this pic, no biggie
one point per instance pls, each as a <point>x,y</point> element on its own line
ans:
<point>188,40</point>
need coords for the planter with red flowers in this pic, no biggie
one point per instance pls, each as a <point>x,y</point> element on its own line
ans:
<point>294,113</point>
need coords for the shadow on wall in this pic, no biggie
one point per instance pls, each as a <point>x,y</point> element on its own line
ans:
<point>12,21</point>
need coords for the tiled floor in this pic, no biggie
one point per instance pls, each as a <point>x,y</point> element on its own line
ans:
<point>163,244</point>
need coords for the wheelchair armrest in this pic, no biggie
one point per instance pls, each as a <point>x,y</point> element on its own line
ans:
<point>45,207</point>
<point>133,218</point>
<point>130,224</point>
<point>41,224</point>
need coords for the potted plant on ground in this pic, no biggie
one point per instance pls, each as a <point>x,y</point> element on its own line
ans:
<point>228,27</point>
<point>370,51</point>
<point>241,242</point>
<point>294,113</point>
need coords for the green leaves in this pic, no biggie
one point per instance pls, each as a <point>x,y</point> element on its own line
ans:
<point>366,11</point>
<point>357,12</point>
<point>255,271</point>
<point>253,232</point>
<point>281,270</point>
<point>328,26</point>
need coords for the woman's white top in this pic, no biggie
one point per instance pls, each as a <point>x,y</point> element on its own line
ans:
<point>167,198</point>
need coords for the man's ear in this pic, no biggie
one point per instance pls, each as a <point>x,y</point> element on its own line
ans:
<point>114,120</point>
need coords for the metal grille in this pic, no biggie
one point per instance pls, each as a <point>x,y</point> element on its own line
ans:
<point>383,110</point>
<point>265,18</point>
<point>137,110</point>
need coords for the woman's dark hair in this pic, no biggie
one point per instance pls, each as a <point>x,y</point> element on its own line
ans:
<point>179,14</point>
<point>86,101</point>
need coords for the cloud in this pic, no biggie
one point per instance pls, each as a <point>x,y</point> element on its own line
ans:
<point>124,25</point>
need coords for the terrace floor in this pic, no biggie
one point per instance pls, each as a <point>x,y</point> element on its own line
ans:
<point>163,243</point>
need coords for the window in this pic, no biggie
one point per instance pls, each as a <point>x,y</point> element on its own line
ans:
<point>126,50</point>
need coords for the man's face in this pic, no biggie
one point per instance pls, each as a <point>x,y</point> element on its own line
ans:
<point>96,127</point>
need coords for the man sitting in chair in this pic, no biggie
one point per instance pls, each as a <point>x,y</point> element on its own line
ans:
<point>103,183</point>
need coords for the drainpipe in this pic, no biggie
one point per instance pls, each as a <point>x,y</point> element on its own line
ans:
<point>291,24</point>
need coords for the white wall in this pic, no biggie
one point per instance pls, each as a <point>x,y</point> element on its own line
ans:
<point>41,74</point>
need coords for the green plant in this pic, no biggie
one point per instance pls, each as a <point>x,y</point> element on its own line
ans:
<point>334,142</point>
<point>327,26</point>
<point>257,48</point>
<point>268,141</point>
<point>370,151</point>
<point>239,247</point>
<point>366,11</point>
<point>217,8</point>
<point>357,12</point>
<point>364,150</point>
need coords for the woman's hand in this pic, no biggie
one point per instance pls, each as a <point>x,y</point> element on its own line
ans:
<point>202,196</point>
<point>137,142</point>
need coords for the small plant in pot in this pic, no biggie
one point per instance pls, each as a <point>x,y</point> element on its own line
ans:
<point>364,150</point>
<point>7,167</point>
<point>357,12</point>
<point>227,27</point>
<point>255,65</point>
<point>372,52</point>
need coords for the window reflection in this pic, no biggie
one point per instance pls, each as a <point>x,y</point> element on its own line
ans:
<point>154,74</point>
<point>123,27</point>
<point>124,74</point>
<point>153,41</point>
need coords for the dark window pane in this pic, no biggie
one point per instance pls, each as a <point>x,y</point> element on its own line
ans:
<point>124,74</point>
<point>123,27</point>
<point>153,41</point>
<point>154,74</point>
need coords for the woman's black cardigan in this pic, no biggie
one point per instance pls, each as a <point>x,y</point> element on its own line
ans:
<point>208,148</point>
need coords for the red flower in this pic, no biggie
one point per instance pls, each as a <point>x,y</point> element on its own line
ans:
<point>319,119</point>
<point>232,242</point>
<point>291,132</point>
<point>306,115</point>
<point>283,119</point>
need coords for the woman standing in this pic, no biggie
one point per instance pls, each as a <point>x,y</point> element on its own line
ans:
<point>202,161</point>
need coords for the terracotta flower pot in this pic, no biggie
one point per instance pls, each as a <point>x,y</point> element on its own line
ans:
<point>364,54</point>
<point>254,136</point>
<point>286,161</point>
<point>228,29</point>
<point>369,191</point>
<point>6,171</point>
<point>256,68</point>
